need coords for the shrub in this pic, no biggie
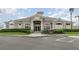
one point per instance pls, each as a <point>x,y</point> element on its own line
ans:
<point>58,31</point>
<point>28,31</point>
<point>45,31</point>
<point>73,30</point>
<point>53,31</point>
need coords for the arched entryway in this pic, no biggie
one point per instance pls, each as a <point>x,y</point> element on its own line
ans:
<point>37,26</point>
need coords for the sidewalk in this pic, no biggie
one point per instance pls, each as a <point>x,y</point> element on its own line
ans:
<point>35,35</point>
<point>44,35</point>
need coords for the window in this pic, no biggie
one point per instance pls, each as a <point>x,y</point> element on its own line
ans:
<point>67,23</point>
<point>46,24</point>
<point>20,21</point>
<point>37,22</point>
<point>58,23</point>
<point>11,24</point>
<point>19,24</point>
<point>27,26</point>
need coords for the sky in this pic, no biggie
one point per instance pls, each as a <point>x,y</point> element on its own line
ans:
<point>7,14</point>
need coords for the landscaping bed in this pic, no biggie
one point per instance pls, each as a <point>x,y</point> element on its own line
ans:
<point>15,31</point>
<point>56,31</point>
<point>11,33</point>
<point>73,32</point>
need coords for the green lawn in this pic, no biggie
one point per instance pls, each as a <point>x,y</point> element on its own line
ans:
<point>21,33</point>
<point>73,33</point>
<point>11,33</point>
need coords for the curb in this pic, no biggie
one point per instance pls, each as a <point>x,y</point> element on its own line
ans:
<point>22,36</point>
<point>35,36</point>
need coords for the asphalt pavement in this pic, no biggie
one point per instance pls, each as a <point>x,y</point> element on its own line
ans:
<point>39,43</point>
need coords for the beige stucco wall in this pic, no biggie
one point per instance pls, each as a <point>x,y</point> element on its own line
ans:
<point>10,25</point>
<point>16,24</point>
<point>43,25</point>
<point>68,27</point>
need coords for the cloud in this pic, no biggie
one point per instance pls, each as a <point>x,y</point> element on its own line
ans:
<point>22,17</point>
<point>49,13</point>
<point>12,11</point>
<point>7,10</point>
<point>59,13</point>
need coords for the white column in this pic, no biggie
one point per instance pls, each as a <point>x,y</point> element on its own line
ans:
<point>53,25</point>
<point>64,25</point>
<point>42,26</point>
<point>32,26</point>
<point>23,25</point>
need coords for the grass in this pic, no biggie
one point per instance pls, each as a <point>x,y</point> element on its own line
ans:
<point>11,33</point>
<point>21,33</point>
<point>72,33</point>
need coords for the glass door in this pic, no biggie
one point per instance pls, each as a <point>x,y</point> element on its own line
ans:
<point>37,26</point>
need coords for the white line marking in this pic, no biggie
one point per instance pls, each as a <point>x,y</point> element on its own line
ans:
<point>60,39</point>
<point>72,40</point>
<point>65,41</point>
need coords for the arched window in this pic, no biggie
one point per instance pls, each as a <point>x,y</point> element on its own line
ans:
<point>58,23</point>
<point>11,24</point>
<point>19,24</point>
<point>67,23</point>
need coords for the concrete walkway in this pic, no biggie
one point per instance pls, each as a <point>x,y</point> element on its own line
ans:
<point>37,35</point>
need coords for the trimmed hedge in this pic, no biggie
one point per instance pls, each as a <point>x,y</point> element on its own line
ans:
<point>53,31</point>
<point>28,31</point>
<point>69,30</point>
<point>59,31</point>
<point>47,32</point>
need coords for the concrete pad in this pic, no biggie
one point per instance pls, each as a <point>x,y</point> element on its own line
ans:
<point>37,35</point>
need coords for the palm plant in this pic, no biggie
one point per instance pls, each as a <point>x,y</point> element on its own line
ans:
<point>71,11</point>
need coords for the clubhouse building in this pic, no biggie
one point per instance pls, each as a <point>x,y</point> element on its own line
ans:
<point>39,22</point>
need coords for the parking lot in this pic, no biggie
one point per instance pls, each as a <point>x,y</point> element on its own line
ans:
<point>39,43</point>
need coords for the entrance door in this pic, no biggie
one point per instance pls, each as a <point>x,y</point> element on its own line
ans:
<point>37,26</point>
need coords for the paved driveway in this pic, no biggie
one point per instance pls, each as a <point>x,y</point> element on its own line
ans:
<point>39,43</point>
